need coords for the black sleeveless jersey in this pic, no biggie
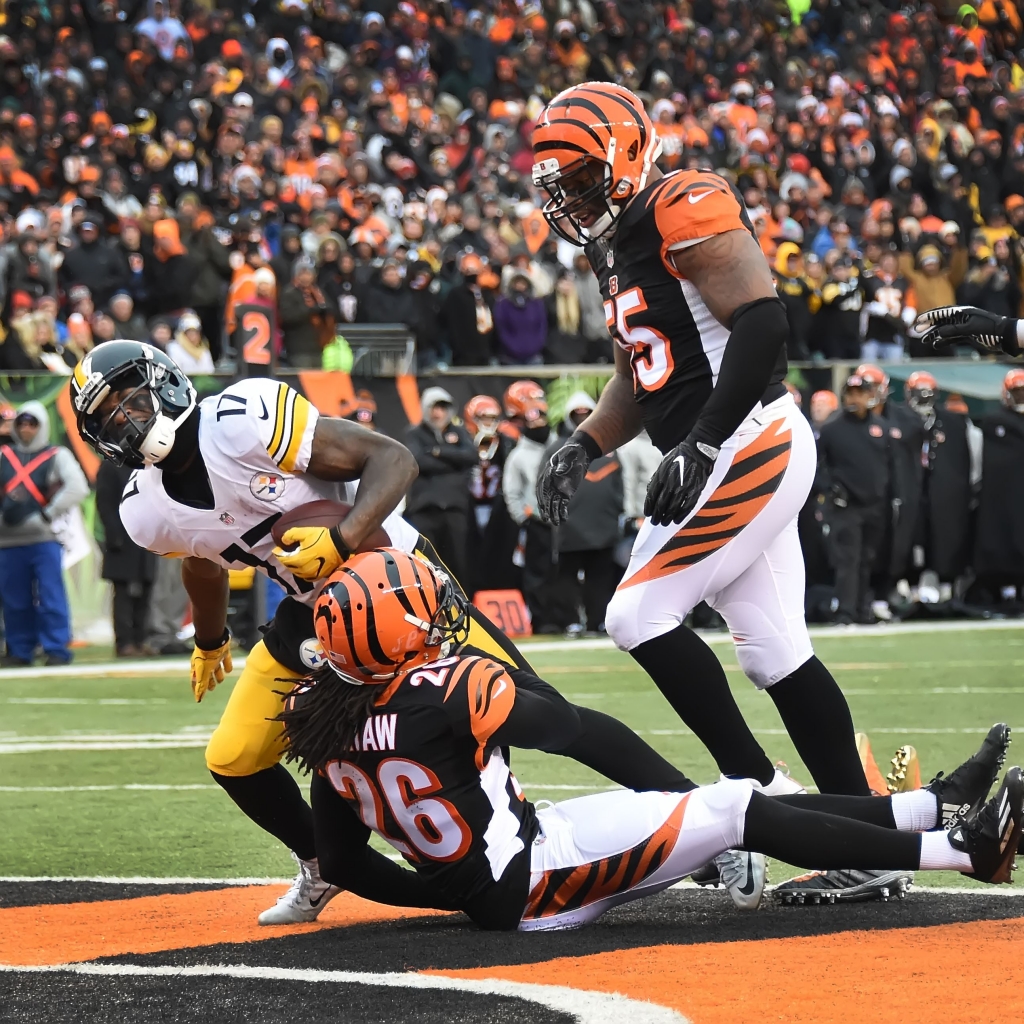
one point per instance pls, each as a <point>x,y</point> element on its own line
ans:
<point>426,776</point>
<point>653,312</point>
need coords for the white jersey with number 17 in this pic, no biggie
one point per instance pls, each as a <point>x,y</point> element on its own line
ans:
<point>255,439</point>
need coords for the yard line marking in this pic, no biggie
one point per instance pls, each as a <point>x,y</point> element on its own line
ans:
<point>584,1005</point>
<point>145,880</point>
<point>182,743</point>
<point>83,700</point>
<point>899,730</point>
<point>128,787</point>
<point>939,690</point>
<point>157,667</point>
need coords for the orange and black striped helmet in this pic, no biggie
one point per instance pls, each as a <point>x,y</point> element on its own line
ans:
<point>525,400</point>
<point>875,377</point>
<point>476,408</point>
<point>593,149</point>
<point>921,390</point>
<point>385,611</point>
<point>1013,390</point>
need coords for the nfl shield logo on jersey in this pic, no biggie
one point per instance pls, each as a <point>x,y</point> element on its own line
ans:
<point>267,486</point>
<point>311,653</point>
<point>226,518</point>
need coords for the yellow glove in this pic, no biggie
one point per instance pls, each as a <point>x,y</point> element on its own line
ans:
<point>209,668</point>
<point>311,552</point>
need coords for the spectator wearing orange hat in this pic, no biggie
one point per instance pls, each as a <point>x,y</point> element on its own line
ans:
<point>466,316</point>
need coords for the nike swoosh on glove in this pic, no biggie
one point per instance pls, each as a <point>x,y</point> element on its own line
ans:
<point>311,552</point>
<point>209,668</point>
<point>677,483</point>
<point>559,480</point>
<point>969,325</point>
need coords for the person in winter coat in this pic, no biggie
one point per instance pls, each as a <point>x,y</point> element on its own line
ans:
<point>189,349</point>
<point>521,322</point>
<point>467,318</point>
<point>213,271</point>
<point>38,483</point>
<point>307,323</point>
<point>587,540</point>
<point>127,323</point>
<point>130,568</point>
<point>93,263</point>
<point>173,273</point>
<point>438,501</point>
<point>388,298</point>
<point>799,298</point>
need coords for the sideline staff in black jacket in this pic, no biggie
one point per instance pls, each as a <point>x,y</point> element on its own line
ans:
<point>438,501</point>
<point>853,459</point>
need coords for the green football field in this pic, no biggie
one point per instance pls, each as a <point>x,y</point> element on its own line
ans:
<point>103,775</point>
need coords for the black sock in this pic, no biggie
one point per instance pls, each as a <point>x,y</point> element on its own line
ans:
<point>613,749</point>
<point>693,681</point>
<point>273,800</point>
<point>819,722</point>
<point>872,809</point>
<point>825,841</point>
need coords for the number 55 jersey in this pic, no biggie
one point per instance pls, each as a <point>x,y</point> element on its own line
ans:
<point>656,315</point>
<point>255,439</point>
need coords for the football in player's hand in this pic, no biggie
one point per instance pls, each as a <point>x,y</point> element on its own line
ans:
<point>325,512</point>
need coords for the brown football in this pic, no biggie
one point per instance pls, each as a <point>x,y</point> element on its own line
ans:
<point>325,512</point>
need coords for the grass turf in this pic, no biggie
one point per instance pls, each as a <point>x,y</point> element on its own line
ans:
<point>939,691</point>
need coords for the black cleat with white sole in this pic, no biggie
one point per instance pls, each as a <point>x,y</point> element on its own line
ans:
<point>965,789</point>
<point>992,836</point>
<point>844,886</point>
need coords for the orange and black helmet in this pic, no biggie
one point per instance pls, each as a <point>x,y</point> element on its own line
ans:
<point>593,150</point>
<point>525,401</point>
<point>875,377</point>
<point>1013,390</point>
<point>476,409</point>
<point>921,390</point>
<point>385,611</point>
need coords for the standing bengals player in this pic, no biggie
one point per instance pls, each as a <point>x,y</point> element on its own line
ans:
<point>700,356</point>
<point>407,739</point>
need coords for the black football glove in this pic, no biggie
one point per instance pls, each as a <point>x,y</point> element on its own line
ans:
<point>677,483</point>
<point>559,480</point>
<point>968,325</point>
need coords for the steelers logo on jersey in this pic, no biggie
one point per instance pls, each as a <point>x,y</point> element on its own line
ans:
<point>267,486</point>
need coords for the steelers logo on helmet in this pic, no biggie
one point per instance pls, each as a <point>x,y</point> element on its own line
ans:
<point>129,400</point>
<point>311,653</point>
<point>595,146</point>
<point>385,612</point>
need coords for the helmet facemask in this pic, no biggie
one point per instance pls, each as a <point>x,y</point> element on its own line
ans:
<point>922,400</point>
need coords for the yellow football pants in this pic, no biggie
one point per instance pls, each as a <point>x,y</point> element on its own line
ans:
<point>247,739</point>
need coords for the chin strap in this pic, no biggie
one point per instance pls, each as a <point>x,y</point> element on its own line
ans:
<point>159,439</point>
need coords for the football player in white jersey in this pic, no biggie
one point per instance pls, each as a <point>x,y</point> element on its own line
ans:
<point>213,478</point>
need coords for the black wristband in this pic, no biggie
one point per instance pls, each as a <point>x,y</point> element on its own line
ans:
<point>339,542</point>
<point>203,646</point>
<point>587,443</point>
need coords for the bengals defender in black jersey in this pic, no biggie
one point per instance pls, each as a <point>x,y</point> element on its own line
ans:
<point>409,740</point>
<point>700,355</point>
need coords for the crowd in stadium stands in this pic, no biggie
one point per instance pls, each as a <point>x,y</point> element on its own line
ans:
<point>164,161</point>
<point>916,510</point>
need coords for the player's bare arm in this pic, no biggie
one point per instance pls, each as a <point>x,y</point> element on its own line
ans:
<point>347,451</point>
<point>616,420</point>
<point>731,274</point>
<point>384,468</point>
<point>206,584</point>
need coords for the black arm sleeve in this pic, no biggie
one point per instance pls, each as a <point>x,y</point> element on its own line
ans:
<point>347,861</point>
<point>540,719</point>
<point>759,330</point>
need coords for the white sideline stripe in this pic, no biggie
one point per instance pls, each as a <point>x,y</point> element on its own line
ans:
<point>169,666</point>
<point>84,700</point>
<point>585,1006</point>
<point>900,731</point>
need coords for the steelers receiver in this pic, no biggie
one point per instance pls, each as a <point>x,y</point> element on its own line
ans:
<point>213,478</point>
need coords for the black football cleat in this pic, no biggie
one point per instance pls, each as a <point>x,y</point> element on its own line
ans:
<point>965,789</point>
<point>991,837</point>
<point>844,886</point>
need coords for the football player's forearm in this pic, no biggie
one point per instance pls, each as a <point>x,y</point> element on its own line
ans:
<point>617,418</point>
<point>386,477</point>
<point>207,587</point>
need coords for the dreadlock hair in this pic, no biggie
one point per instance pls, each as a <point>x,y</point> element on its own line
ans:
<point>322,717</point>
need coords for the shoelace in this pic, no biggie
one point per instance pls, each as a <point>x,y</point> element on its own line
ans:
<point>300,886</point>
<point>732,867</point>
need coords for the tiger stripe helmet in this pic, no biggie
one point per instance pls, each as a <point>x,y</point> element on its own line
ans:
<point>1013,390</point>
<point>385,611</point>
<point>875,377</point>
<point>478,407</point>
<point>920,391</point>
<point>525,401</point>
<point>593,150</point>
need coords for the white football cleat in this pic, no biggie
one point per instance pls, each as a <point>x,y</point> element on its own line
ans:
<point>782,785</point>
<point>302,903</point>
<point>743,873</point>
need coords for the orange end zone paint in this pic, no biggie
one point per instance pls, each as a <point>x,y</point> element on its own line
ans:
<point>70,932</point>
<point>971,973</point>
